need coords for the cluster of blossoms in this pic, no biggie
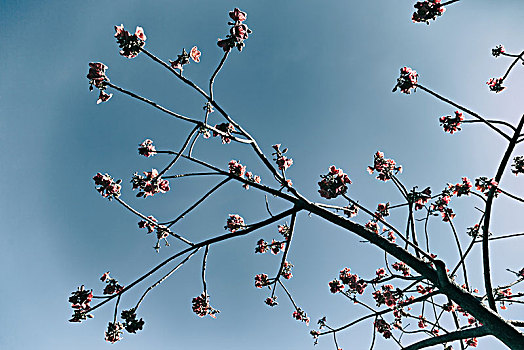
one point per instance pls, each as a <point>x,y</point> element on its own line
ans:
<point>271,301</point>
<point>131,324</point>
<point>381,273</point>
<point>276,247</point>
<point>401,266</point>
<point>441,205</point>
<point>355,284</point>
<point>239,170</point>
<point>452,124</point>
<point>162,232</point>
<point>97,77</point>
<point>351,210</point>
<point>282,161</point>
<point>80,300</point>
<point>382,210</point>
<point>285,231</point>
<point>372,225</point>
<point>383,328</point>
<point>420,198</point>
<point>503,294</point>
<point>234,222</point>
<point>462,189</point>
<point>449,306</point>
<point>495,84</point>
<point>238,32</point>
<point>114,332</point>
<point>518,165</point>
<point>227,129</point>
<point>286,270</point>
<point>251,178</point>
<point>387,295</point>
<point>498,50</point>
<point>334,183</point>
<point>424,290</point>
<point>112,286</point>
<point>474,231</point>
<point>236,168</point>
<point>263,246</point>
<point>426,10</point>
<point>422,322</point>
<point>300,315</point>
<point>384,167</point>
<point>130,45</point>
<point>407,80</point>
<point>261,280</point>
<point>184,57</point>
<point>472,342</point>
<point>484,185</point>
<point>335,286</point>
<point>148,224</point>
<point>202,308</point>
<point>149,184</point>
<point>107,186</point>
<point>146,148</point>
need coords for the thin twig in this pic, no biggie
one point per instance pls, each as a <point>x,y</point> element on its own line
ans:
<point>166,276</point>
<point>181,216</point>
<point>153,223</point>
<point>204,261</point>
<point>461,255</point>
<point>470,112</point>
<point>200,245</point>
<point>512,65</point>
<point>284,256</point>
<point>182,149</point>
<point>212,80</point>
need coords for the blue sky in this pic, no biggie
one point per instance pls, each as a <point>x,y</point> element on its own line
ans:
<point>315,77</point>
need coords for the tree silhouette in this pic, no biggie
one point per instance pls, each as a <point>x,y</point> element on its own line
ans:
<point>411,284</point>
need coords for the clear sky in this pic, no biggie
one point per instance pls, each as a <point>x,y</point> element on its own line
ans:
<point>314,76</point>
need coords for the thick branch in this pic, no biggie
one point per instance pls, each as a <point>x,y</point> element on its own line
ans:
<point>489,204</point>
<point>458,335</point>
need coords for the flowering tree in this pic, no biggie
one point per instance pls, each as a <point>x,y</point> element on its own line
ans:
<point>417,285</point>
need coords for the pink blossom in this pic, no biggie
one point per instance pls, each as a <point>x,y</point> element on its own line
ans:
<point>235,168</point>
<point>334,183</point>
<point>384,167</point>
<point>201,306</point>
<point>407,80</point>
<point>149,184</point>
<point>114,332</point>
<point>108,188</point>
<point>146,148</point>
<point>103,97</point>
<point>148,224</point>
<point>139,33</point>
<point>426,10</point>
<point>271,301</point>
<point>237,15</point>
<point>261,280</point>
<point>195,54</point>
<point>452,124</point>
<point>495,84</point>
<point>130,45</point>
<point>234,223</point>
<point>498,50</point>
<point>226,129</point>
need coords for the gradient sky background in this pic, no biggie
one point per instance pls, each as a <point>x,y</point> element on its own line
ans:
<point>314,76</point>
